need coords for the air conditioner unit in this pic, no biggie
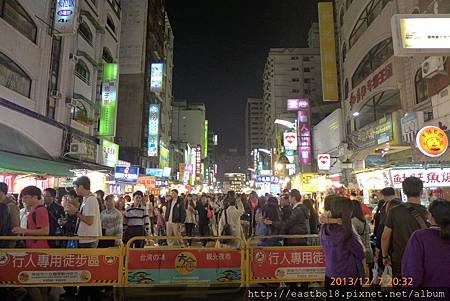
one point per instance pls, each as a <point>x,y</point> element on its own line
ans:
<point>432,66</point>
<point>78,148</point>
<point>55,94</point>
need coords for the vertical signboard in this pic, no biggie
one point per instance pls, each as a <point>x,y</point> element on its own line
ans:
<point>163,157</point>
<point>153,130</point>
<point>304,135</point>
<point>198,160</point>
<point>110,153</point>
<point>156,77</point>
<point>205,140</point>
<point>65,17</point>
<point>290,140</point>
<point>328,52</point>
<point>108,108</point>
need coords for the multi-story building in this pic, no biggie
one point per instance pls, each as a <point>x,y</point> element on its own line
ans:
<point>314,36</point>
<point>52,75</point>
<point>254,125</point>
<point>142,54</point>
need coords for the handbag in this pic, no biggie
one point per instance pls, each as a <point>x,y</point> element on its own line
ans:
<point>386,278</point>
<point>226,231</point>
<point>375,274</point>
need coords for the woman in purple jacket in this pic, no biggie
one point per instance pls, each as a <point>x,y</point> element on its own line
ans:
<point>426,260</point>
<point>344,252</point>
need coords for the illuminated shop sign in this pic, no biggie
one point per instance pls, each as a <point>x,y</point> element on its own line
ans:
<point>153,130</point>
<point>432,141</point>
<point>108,108</point>
<point>65,17</point>
<point>156,77</point>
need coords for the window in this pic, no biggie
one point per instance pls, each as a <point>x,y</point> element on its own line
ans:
<point>306,69</point>
<point>306,59</point>
<point>428,114</point>
<point>16,16</point>
<point>307,80</point>
<point>341,17</point>
<point>13,77</point>
<point>295,91</point>
<point>82,72</point>
<point>369,14</point>
<point>78,112</point>
<point>294,58</point>
<point>420,86</point>
<point>378,106</point>
<point>110,23</point>
<point>373,59</point>
<point>294,69</point>
<point>295,79</point>
<point>85,32</point>
<point>107,56</point>
<point>344,52</point>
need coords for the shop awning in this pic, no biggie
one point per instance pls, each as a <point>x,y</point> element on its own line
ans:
<point>21,164</point>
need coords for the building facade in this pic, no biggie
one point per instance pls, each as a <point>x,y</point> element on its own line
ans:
<point>255,137</point>
<point>143,104</point>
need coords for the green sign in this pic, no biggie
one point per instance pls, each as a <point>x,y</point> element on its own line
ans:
<point>164,160</point>
<point>205,141</point>
<point>108,109</point>
<point>110,153</point>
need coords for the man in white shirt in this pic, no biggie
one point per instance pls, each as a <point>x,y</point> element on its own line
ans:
<point>89,222</point>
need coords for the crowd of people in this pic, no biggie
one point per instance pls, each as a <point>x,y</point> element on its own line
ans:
<point>358,243</point>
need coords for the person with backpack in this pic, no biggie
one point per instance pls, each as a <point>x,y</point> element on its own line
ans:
<point>13,210</point>
<point>400,223</point>
<point>37,226</point>
<point>426,260</point>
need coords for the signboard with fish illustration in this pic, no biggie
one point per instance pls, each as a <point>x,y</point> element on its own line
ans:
<point>159,267</point>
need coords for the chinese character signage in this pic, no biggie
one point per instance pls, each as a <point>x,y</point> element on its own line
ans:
<point>125,174</point>
<point>432,177</point>
<point>108,108</point>
<point>65,17</point>
<point>378,132</point>
<point>61,266</point>
<point>163,157</point>
<point>421,34</point>
<point>432,141</point>
<point>152,266</point>
<point>198,160</point>
<point>153,130</point>
<point>324,161</point>
<point>328,52</point>
<point>156,77</point>
<point>110,153</point>
<point>290,140</point>
<point>371,84</point>
<point>304,135</point>
<point>289,264</point>
<point>297,104</point>
<point>156,172</point>
<point>205,140</point>
<point>267,179</point>
<point>149,182</point>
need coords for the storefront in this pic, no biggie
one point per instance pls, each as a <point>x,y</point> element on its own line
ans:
<point>370,182</point>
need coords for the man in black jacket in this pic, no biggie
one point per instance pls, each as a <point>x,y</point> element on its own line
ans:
<point>175,217</point>
<point>298,221</point>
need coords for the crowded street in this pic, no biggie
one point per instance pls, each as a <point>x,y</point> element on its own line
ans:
<point>224,150</point>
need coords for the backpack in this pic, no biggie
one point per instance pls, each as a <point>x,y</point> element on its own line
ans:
<point>54,228</point>
<point>5,225</point>
<point>421,221</point>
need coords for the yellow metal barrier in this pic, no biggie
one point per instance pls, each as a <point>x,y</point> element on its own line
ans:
<point>22,267</point>
<point>181,265</point>
<point>268,264</point>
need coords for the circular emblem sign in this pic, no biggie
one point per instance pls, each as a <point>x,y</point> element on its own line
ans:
<point>185,263</point>
<point>432,141</point>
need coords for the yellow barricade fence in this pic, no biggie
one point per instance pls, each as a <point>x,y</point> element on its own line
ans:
<point>267,263</point>
<point>225,261</point>
<point>22,267</point>
<point>222,263</point>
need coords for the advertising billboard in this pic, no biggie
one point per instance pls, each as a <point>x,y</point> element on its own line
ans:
<point>156,77</point>
<point>65,17</point>
<point>295,104</point>
<point>153,130</point>
<point>290,140</point>
<point>164,157</point>
<point>108,109</point>
<point>110,153</point>
<point>125,174</point>
<point>328,52</point>
<point>205,140</point>
<point>304,136</point>
<point>155,172</point>
<point>424,34</point>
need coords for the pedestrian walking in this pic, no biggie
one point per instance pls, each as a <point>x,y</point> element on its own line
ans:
<point>426,260</point>
<point>175,218</point>
<point>136,221</point>
<point>400,224</point>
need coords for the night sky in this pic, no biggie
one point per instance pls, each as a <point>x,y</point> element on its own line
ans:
<point>220,51</point>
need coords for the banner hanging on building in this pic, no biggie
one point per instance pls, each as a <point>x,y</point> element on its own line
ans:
<point>156,77</point>
<point>65,17</point>
<point>304,135</point>
<point>110,153</point>
<point>108,108</point>
<point>328,52</point>
<point>153,130</point>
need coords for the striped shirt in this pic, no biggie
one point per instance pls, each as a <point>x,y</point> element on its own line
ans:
<point>136,216</point>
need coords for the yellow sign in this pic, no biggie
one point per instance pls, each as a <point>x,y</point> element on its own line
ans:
<point>328,52</point>
<point>308,182</point>
<point>432,141</point>
<point>185,263</point>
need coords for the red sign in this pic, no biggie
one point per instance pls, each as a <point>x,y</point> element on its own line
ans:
<point>370,84</point>
<point>149,182</point>
<point>191,265</point>
<point>23,267</point>
<point>288,263</point>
